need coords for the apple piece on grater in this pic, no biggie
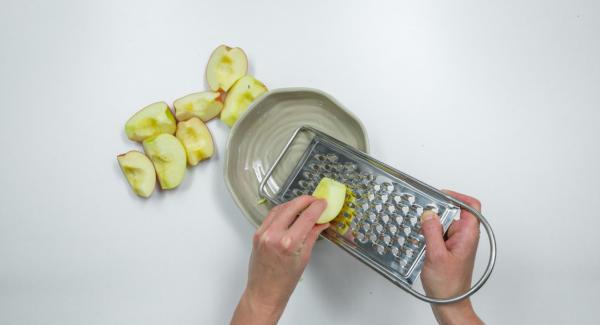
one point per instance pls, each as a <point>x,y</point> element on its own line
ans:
<point>334,193</point>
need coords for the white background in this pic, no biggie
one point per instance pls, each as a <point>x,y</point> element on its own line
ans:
<point>499,100</point>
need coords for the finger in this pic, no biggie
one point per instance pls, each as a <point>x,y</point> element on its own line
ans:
<point>435,247</point>
<point>312,237</point>
<point>285,216</point>
<point>305,222</point>
<point>271,216</point>
<point>470,201</point>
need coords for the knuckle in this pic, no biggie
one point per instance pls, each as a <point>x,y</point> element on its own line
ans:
<point>429,227</point>
<point>286,246</point>
<point>264,239</point>
<point>256,238</point>
<point>275,210</point>
<point>435,255</point>
<point>287,250</point>
<point>305,199</point>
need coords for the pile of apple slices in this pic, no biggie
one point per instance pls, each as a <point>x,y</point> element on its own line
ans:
<point>171,140</point>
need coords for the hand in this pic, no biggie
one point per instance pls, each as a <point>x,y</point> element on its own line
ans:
<point>281,249</point>
<point>448,266</point>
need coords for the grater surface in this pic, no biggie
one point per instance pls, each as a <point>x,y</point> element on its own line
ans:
<point>380,221</point>
<point>381,217</point>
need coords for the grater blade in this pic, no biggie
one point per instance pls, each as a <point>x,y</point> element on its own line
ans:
<point>380,221</point>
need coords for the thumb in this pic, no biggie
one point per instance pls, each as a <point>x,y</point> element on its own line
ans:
<point>432,230</point>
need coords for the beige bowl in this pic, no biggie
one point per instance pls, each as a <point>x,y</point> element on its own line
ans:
<point>262,131</point>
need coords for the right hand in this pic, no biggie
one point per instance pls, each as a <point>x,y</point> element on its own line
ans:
<point>282,247</point>
<point>448,266</point>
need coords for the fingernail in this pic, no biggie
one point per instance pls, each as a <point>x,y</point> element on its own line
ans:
<point>427,215</point>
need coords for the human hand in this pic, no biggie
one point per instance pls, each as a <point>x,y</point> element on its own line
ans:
<point>282,247</point>
<point>448,267</point>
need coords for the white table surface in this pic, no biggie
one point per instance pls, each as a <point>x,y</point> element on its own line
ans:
<point>501,101</point>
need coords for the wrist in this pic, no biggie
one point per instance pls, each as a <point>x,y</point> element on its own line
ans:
<point>461,312</point>
<point>259,312</point>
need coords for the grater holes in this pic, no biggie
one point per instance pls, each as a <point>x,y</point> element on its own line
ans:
<point>307,185</point>
<point>314,167</point>
<point>378,207</point>
<point>371,196</point>
<point>385,218</point>
<point>387,239</point>
<point>417,209</point>
<point>391,209</point>
<point>400,240</point>
<point>361,238</point>
<point>348,167</point>
<point>431,207</point>
<point>331,158</point>
<point>392,229</point>
<point>387,187</point>
<point>366,227</point>
<point>298,192</point>
<point>373,237</point>
<point>407,197</point>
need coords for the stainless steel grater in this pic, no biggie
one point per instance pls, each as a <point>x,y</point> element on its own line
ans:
<point>380,222</point>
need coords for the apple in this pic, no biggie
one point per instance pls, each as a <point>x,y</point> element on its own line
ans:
<point>196,139</point>
<point>203,105</point>
<point>225,66</point>
<point>243,92</point>
<point>334,193</point>
<point>139,171</point>
<point>149,121</point>
<point>168,156</point>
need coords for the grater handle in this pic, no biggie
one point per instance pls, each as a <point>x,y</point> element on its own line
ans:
<point>488,229</point>
<point>488,270</point>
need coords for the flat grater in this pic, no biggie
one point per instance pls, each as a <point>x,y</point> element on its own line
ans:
<point>380,221</point>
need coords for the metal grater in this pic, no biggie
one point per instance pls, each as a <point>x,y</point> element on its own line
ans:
<point>380,221</point>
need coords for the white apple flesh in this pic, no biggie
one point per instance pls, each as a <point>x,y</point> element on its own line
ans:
<point>196,139</point>
<point>334,193</point>
<point>139,171</point>
<point>168,156</point>
<point>225,66</point>
<point>203,105</point>
<point>151,120</point>
<point>242,94</point>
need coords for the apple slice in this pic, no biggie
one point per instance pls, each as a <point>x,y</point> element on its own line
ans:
<point>225,66</point>
<point>242,94</point>
<point>151,120</point>
<point>139,171</point>
<point>203,105</point>
<point>168,156</point>
<point>196,139</point>
<point>334,193</point>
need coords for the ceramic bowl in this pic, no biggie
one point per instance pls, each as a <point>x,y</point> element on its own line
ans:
<point>260,134</point>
